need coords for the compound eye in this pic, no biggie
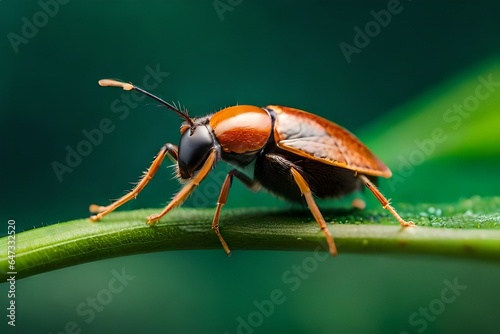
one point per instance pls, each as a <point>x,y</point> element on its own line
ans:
<point>194,148</point>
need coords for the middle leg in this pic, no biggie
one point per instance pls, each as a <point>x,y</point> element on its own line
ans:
<point>224,192</point>
<point>306,192</point>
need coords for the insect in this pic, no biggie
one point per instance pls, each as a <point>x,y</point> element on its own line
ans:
<point>295,154</point>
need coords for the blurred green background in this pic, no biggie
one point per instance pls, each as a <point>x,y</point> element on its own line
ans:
<point>393,92</point>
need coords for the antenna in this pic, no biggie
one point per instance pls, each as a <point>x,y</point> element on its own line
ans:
<point>129,86</point>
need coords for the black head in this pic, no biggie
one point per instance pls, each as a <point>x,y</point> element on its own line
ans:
<point>194,148</point>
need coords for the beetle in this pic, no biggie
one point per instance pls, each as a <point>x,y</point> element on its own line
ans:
<point>296,155</point>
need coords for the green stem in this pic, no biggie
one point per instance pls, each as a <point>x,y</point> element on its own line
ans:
<point>124,233</point>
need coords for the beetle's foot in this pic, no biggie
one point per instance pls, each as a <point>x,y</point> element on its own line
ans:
<point>95,218</point>
<point>405,223</point>
<point>153,219</point>
<point>98,209</point>
<point>94,208</point>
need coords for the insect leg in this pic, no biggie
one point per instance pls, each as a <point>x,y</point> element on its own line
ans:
<point>182,195</point>
<point>101,211</point>
<point>385,203</point>
<point>306,192</point>
<point>224,192</point>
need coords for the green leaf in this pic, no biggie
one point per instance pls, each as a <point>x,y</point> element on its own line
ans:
<point>465,110</point>
<point>470,228</point>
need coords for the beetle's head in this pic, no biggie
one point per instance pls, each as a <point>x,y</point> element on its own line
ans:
<point>194,148</point>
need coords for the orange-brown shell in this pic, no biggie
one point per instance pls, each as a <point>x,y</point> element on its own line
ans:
<point>241,129</point>
<point>314,137</point>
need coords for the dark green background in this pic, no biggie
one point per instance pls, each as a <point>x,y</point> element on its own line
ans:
<point>262,52</point>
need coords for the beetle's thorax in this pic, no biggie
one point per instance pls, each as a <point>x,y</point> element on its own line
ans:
<point>242,132</point>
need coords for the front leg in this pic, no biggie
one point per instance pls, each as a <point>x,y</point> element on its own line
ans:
<point>182,195</point>
<point>101,211</point>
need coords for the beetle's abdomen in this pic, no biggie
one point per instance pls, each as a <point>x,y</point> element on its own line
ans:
<point>272,171</point>
<point>241,129</point>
